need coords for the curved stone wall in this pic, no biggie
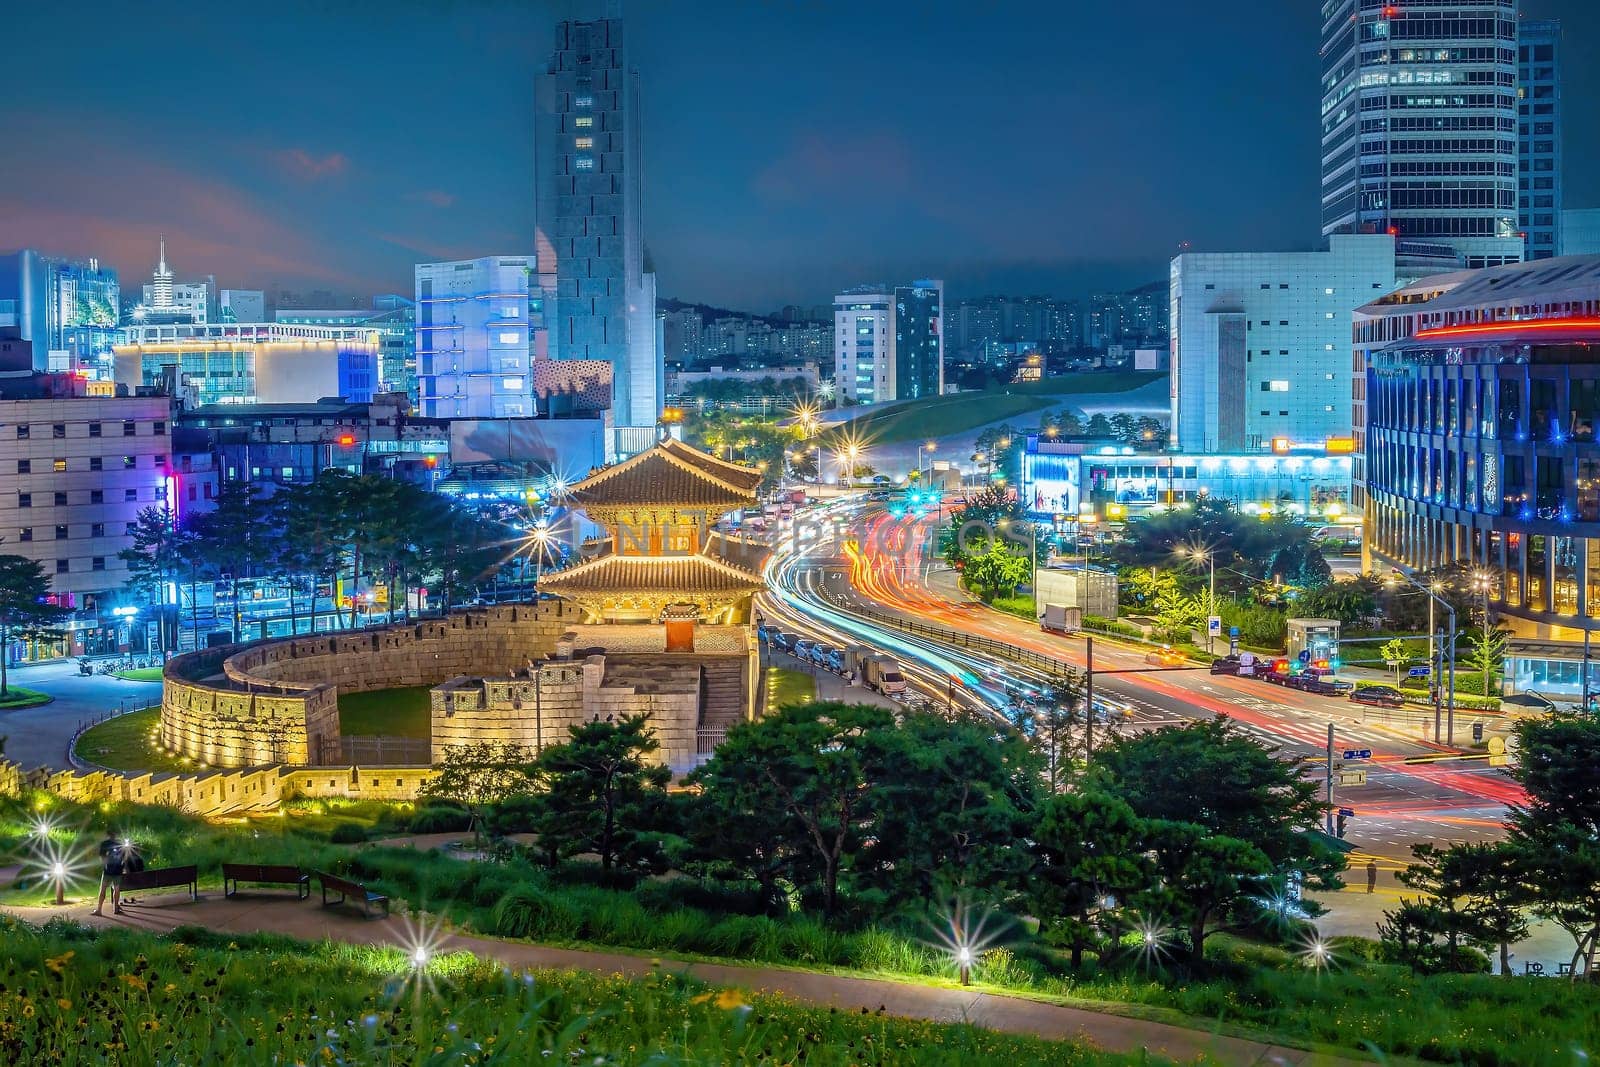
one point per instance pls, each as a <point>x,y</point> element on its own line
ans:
<point>277,701</point>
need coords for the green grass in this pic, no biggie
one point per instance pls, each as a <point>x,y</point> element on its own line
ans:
<point>956,413</point>
<point>16,697</point>
<point>785,686</point>
<point>403,712</point>
<point>1021,606</point>
<point>141,674</point>
<point>72,996</point>
<point>125,744</point>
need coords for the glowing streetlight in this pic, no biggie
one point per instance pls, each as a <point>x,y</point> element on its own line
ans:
<point>964,958</point>
<point>1200,554</point>
<point>419,957</point>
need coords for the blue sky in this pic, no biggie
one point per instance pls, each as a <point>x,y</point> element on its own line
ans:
<point>792,146</point>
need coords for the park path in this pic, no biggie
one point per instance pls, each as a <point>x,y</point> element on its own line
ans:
<point>281,913</point>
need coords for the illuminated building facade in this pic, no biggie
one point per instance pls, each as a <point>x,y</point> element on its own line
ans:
<point>889,342</point>
<point>1477,431</point>
<point>1419,125</point>
<point>478,327</point>
<point>1539,136</point>
<point>393,318</point>
<point>250,363</point>
<point>67,310</point>
<point>589,222</point>
<point>1260,342</point>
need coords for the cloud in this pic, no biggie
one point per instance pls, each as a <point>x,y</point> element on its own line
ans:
<point>436,197</point>
<point>816,166</point>
<point>300,164</point>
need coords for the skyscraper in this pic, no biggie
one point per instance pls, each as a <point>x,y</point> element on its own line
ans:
<point>64,308</point>
<point>1539,136</point>
<point>589,227</point>
<point>888,342</point>
<point>1419,122</point>
<point>161,283</point>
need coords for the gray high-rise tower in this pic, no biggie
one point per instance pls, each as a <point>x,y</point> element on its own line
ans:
<point>1419,126</point>
<point>600,302</point>
<point>1539,135</point>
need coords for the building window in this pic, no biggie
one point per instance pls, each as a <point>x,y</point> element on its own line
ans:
<point>24,500</point>
<point>583,122</point>
<point>583,163</point>
<point>583,144</point>
<point>22,432</point>
<point>129,429</point>
<point>130,495</point>
<point>59,465</point>
<point>61,533</point>
<point>59,430</point>
<point>98,563</point>
<point>1276,385</point>
<point>160,429</point>
<point>94,429</point>
<point>97,529</point>
<point>61,500</point>
<point>61,566</point>
<point>583,101</point>
<point>25,534</point>
<point>129,462</point>
<point>24,466</point>
<point>96,463</point>
<point>97,496</point>
<point>510,337</point>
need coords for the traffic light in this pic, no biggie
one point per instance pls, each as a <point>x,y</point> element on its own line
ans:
<point>1339,826</point>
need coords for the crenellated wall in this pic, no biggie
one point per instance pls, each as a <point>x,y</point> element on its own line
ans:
<point>277,701</point>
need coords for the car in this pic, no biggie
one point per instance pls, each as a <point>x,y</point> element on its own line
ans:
<point>1165,657</point>
<point>835,661</point>
<point>820,653</point>
<point>763,633</point>
<point>802,648</point>
<point>1226,665</point>
<point>781,641</point>
<point>1108,708</point>
<point>1378,696</point>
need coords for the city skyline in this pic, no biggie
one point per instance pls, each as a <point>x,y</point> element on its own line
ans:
<point>263,186</point>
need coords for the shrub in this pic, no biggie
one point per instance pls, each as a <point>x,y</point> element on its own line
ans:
<point>528,911</point>
<point>348,833</point>
<point>1112,626</point>
<point>440,819</point>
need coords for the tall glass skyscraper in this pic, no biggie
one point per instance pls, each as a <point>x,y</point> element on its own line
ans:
<point>589,221</point>
<point>1539,135</point>
<point>1419,126</point>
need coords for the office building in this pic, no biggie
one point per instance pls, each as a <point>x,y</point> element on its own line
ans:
<point>1539,137</point>
<point>79,465</point>
<point>1419,126</point>
<point>888,344</point>
<point>1580,231</point>
<point>1088,482</point>
<point>682,335</point>
<point>241,305</point>
<point>249,363</point>
<point>589,222</point>
<point>478,330</point>
<point>66,309</point>
<point>393,318</point>
<point>1478,433</point>
<point>1260,342</point>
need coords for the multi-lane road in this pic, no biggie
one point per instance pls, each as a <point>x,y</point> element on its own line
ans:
<point>853,574</point>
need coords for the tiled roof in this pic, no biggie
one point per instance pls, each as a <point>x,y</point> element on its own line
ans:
<point>692,576</point>
<point>668,475</point>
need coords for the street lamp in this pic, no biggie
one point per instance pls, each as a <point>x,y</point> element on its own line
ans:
<point>1432,589</point>
<point>929,448</point>
<point>541,540</point>
<point>1201,554</point>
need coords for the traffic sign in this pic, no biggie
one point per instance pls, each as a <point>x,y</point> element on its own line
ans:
<point>1352,777</point>
<point>1214,625</point>
<point>1347,812</point>
<point>1305,655</point>
<point>1233,631</point>
<point>1419,672</point>
<point>1358,753</point>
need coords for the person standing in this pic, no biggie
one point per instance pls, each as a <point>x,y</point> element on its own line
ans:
<point>113,860</point>
<point>1372,875</point>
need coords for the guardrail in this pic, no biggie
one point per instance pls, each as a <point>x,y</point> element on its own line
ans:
<point>1024,656</point>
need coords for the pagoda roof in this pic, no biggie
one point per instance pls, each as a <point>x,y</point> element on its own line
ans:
<point>671,474</point>
<point>692,577</point>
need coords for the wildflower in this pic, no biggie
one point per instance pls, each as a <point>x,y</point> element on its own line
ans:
<point>133,981</point>
<point>63,1003</point>
<point>369,1021</point>
<point>729,999</point>
<point>57,963</point>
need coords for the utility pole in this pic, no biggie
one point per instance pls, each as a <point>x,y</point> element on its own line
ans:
<point>1088,699</point>
<point>1330,811</point>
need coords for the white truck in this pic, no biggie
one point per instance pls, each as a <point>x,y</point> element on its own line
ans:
<point>882,673</point>
<point>1060,619</point>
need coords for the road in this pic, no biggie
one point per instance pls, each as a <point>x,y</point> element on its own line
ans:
<point>37,737</point>
<point>857,559</point>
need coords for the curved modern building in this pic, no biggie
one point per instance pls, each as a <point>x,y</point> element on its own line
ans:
<point>1476,431</point>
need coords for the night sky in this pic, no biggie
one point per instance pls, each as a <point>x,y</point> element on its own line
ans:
<point>792,146</point>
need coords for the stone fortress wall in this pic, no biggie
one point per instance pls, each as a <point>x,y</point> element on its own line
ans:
<point>276,701</point>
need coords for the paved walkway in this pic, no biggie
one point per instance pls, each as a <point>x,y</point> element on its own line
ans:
<point>37,737</point>
<point>279,913</point>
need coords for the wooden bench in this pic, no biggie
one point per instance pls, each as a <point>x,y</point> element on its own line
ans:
<point>264,874</point>
<point>346,888</point>
<point>162,878</point>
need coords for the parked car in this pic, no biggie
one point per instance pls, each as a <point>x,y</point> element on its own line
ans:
<point>1225,665</point>
<point>835,660</point>
<point>820,653</point>
<point>1378,696</point>
<point>802,648</point>
<point>781,641</point>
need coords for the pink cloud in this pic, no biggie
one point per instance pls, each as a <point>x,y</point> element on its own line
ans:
<point>436,197</point>
<point>298,163</point>
<point>817,164</point>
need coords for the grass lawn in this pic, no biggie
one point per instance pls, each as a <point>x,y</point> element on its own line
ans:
<point>17,697</point>
<point>785,686</point>
<point>141,674</point>
<point>125,744</point>
<point>1021,606</point>
<point>956,413</point>
<point>199,997</point>
<point>403,712</point>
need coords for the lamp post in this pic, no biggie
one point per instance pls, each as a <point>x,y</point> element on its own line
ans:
<point>1436,647</point>
<point>1198,553</point>
<point>540,539</point>
<point>929,448</point>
